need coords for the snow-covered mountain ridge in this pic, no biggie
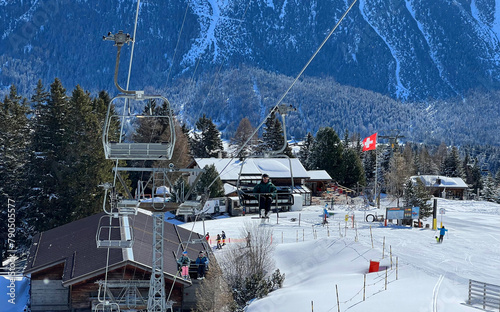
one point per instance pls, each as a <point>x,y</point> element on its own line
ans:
<point>411,51</point>
<point>405,48</point>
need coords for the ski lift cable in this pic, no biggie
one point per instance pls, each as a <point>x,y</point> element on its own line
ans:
<point>121,130</point>
<point>288,90</point>
<point>178,40</point>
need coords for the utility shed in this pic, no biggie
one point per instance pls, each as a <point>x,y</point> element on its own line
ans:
<point>66,266</point>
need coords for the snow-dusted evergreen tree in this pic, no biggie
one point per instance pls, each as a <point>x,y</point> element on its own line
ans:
<point>326,153</point>
<point>210,176</point>
<point>369,166</point>
<point>272,138</point>
<point>207,143</point>
<point>67,163</point>
<point>489,189</point>
<point>242,135</point>
<point>452,166</point>
<point>354,174</point>
<point>48,164</point>
<point>14,139</point>
<point>416,195</point>
<point>305,150</point>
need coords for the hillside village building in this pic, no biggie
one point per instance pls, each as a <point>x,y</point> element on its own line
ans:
<point>67,268</point>
<point>441,186</point>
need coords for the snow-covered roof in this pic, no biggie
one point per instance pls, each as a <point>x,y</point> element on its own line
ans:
<point>440,181</point>
<point>319,175</point>
<point>274,167</point>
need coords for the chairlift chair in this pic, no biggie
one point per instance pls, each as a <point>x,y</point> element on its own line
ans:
<point>112,235</point>
<point>284,195</point>
<point>136,150</point>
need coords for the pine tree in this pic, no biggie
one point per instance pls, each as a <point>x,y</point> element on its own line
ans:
<point>14,139</point>
<point>305,150</point>
<point>207,143</point>
<point>489,189</point>
<point>272,138</point>
<point>326,153</point>
<point>48,166</point>
<point>452,166</point>
<point>354,174</point>
<point>210,174</point>
<point>369,166</point>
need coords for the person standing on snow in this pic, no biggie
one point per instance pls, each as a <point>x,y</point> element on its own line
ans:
<point>442,231</point>
<point>223,236</point>
<point>219,245</point>
<point>269,189</point>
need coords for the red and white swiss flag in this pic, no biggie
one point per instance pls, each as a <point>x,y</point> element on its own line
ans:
<point>370,143</point>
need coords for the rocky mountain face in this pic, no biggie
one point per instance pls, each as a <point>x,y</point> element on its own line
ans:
<point>408,50</point>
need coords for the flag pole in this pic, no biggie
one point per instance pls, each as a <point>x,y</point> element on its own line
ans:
<point>376,176</point>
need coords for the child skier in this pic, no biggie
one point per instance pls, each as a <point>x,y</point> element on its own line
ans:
<point>442,231</point>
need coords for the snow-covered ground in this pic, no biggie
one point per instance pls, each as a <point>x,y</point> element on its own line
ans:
<point>319,260</point>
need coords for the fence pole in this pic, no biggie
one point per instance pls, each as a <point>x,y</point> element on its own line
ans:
<point>303,235</point>
<point>383,248</point>
<point>364,286</point>
<point>385,278</point>
<point>390,252</point>
<point>328,230</point>
<point>338,302</point>
<point>299,219</point>
<point>340,231</point>
<point>312,306</point>
<point>371,235</point>
<point>396,268</point>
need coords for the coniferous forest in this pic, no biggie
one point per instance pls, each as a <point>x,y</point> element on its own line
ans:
<point>52,160</point>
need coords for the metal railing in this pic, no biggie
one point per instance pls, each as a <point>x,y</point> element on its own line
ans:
<point>484,295</point>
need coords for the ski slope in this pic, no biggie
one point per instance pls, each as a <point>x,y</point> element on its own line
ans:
<point>320,260</point>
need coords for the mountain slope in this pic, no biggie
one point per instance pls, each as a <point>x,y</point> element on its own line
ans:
<point>405,48</point>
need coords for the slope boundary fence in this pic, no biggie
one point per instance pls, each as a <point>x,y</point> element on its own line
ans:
<point>484,295</point>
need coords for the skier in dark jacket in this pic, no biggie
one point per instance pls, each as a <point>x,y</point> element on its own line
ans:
<point>202,262</point>
<point>265,201</point>
<point>442,231</point>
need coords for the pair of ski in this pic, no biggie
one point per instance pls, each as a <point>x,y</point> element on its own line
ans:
<point>263,215</point>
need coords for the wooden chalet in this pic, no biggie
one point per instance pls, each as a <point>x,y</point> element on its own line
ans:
<point>66,267</point>
<point>318,181</point>
<point>441,186</point>
<point>249,172</point>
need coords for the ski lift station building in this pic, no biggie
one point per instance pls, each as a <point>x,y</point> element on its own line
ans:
<point>67,268</point>
<point>282,171</point>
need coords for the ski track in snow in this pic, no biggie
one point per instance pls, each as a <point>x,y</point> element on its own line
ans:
<point>401,91</point>
<point>435,293</point>
<point>432,276</point>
